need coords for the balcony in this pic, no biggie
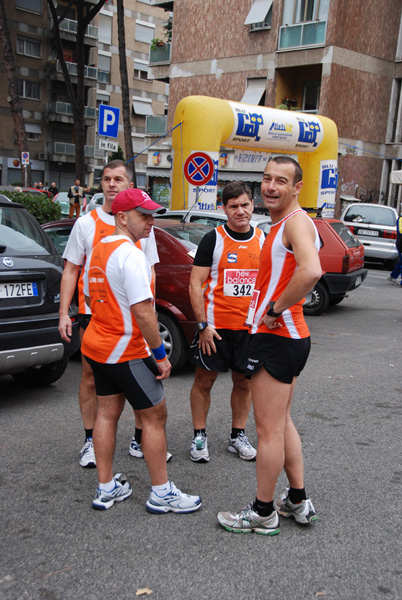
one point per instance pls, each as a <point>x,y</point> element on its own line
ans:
<point>160,55</point>
<point>302,35</point>
<point>61,148</point>
<point>89,72</point>
<point>155,125</point>
<point>166,4</point>
<point>64,108</point>
<point>70,26</point>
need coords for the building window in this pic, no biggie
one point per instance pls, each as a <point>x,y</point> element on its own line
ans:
<point>304,23</point>
<point>142,106</point>
<point>34,6</point>
<point>255,91</point>
<point>141,69</point>
<point>311,96</point>
<point>29,47</point>
<point>260,15</point>
<point>33,131</point>
<point>28,89</point>
<point>105,29</point>
<point>144,32</point>
<point>104,68</point>
<point>302,11</point>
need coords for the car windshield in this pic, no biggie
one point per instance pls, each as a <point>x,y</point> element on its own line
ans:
<point>21,235</point>
<point>189,235</point>
<point>59,237</point>
<point>377,215</point>
<point>346,235</point>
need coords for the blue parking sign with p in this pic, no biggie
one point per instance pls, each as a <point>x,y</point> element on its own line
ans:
<point>108,121</point>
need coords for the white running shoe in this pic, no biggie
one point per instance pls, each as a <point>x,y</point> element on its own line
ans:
<point>136,451</point>
<point>87,452</point>
<point>303,512</point>
<point>122,490</point>
<point>241,446</point>
<point>247,521</point>
<point>199,448</point>
<point>174,501</point>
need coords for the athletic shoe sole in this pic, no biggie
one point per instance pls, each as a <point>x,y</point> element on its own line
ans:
<point>159,509</point>
<point>106,505</point>
<point>234,451</point>
<point>200,460</point>
<point>261,531</point>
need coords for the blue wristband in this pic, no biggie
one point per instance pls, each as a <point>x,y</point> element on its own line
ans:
<point>159,353</point>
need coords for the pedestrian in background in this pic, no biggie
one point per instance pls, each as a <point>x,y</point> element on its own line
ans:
<point>76,196</point>
<point>397,270</point>
<point>53,189</point>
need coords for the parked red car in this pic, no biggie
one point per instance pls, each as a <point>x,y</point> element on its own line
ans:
<point>342,261</point>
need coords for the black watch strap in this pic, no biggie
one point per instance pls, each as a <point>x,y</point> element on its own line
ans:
<point>271,312</point>
<point>201,325</point>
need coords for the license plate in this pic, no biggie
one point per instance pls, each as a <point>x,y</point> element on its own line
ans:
<point>368,232</point>
<point>18,290</point>
<point>358,281</point>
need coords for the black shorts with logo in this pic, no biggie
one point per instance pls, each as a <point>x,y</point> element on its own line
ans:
<point>283,358</point>
<point>231,352</point>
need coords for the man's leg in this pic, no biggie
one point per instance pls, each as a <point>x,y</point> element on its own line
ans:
<point>241,403</point>
<point>200,396</point>
<point>154,444</point>
<point>271,399</point>
<point>71,211</point>
<point>87,393</point>
<point>240,400</point>
<point>78,209</point>
<point>109,411</point>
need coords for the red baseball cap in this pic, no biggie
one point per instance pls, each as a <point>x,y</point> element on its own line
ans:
<point>138,199</point>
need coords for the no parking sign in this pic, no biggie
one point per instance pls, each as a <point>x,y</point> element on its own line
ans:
<point>25,158</point>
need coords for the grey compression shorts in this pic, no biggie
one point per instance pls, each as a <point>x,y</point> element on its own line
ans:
<point>135,379</point>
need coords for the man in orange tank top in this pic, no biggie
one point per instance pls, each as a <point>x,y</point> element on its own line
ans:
<point>221,284</point>
<point>278,350</point>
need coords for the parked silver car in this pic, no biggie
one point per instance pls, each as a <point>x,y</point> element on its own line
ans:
<point>214,218</point>
<point>96,200</point>
<point>375,226</point>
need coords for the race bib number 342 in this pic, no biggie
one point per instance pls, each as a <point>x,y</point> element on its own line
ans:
<point>239,282</point>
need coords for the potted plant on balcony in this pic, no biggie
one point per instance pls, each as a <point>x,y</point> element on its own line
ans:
<point>156,42</point>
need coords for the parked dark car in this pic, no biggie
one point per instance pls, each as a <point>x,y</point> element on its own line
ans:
<point>31,349</point>
<point>177,243</point>
<point>342,261</point>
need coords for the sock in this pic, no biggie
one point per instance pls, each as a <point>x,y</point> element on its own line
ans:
<point>109,486</point>
<point>297,495</point>
<point>235,432</point>
<point>138,435</point>
<point>161,490</point>
<point>199,431</point>
<point>264,509</point>
<point>88,434</point>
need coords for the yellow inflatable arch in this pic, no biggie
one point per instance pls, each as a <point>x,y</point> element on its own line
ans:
<point>204,125</point>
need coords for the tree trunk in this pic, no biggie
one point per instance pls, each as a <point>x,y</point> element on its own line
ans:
<point>125,90</point>
<point>13,96</point>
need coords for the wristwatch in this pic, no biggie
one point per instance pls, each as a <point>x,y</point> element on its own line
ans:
<point>201,325</point>
<point>271,312</point>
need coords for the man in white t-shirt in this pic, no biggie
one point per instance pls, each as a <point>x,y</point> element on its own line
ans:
<point>86,233</point>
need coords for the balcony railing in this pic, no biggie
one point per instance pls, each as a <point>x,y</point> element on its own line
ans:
<point>302,35</point>
<point>68,149</point>
<point>155,125</point>
<point>89,72</point>
<point>71,26</point>
<point>64,108</point>
<point>160,55</point>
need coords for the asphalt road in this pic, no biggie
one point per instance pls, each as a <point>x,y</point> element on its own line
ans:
<point>347,406</point>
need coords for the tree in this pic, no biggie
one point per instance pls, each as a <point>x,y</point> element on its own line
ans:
<point>13,96</point>
<point>77,100</point>
<point>125,90</point>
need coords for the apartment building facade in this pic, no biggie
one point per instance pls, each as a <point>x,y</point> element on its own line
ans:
<point>338,58</point>
<point>46,107</point>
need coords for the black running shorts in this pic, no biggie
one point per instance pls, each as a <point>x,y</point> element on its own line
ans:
<point>231,352</point>
<point>283,358</point>
<point>83,320</point>
<point>134,378</point>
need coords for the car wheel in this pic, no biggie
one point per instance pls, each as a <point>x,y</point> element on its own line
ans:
<point>336,299</point>
<point>42,375</point>
<point>174,341</point>
<point>319,302</point>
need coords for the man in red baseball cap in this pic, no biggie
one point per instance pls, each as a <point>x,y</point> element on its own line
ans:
<point>117,343</point>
